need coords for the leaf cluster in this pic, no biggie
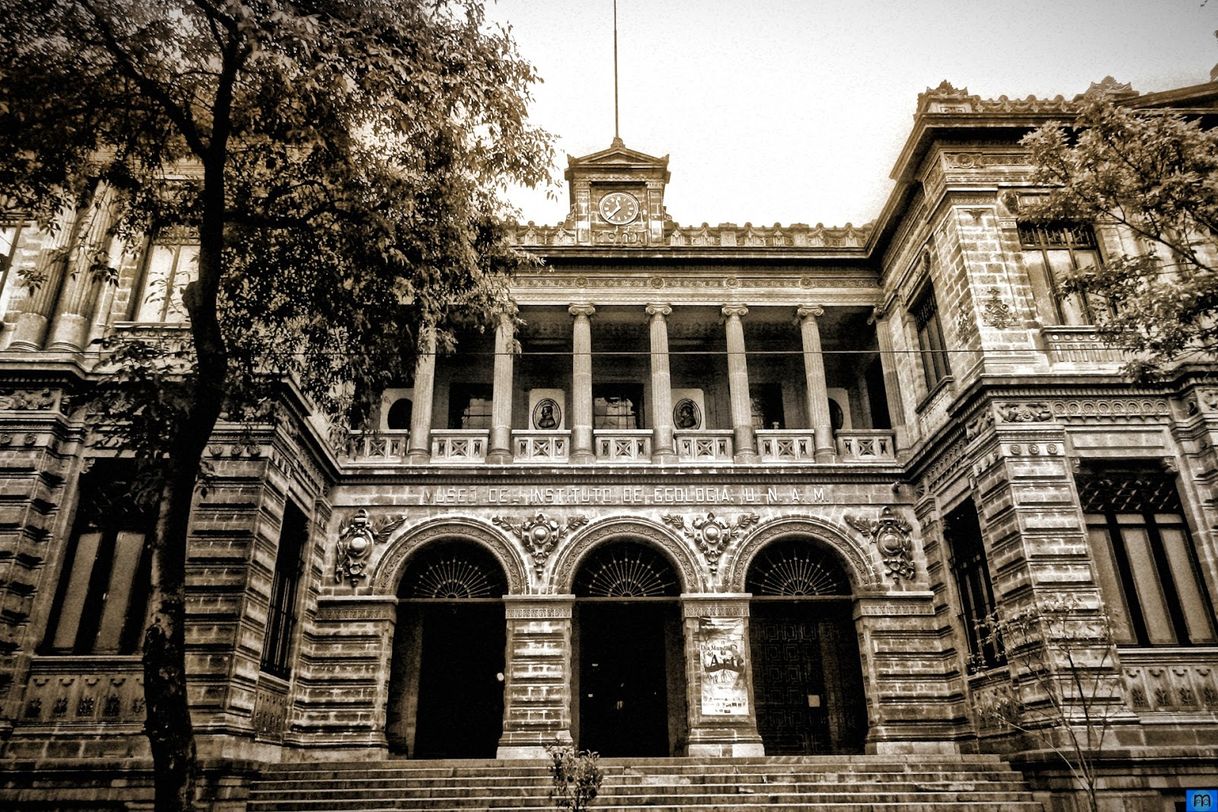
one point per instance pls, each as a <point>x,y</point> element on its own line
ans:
<point>1154,176</point>
<point>356,151</point>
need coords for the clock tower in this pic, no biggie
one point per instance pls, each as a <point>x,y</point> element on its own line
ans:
<point>617,197</point>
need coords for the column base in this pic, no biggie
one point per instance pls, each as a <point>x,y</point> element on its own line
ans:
<point>746,457</point>
<point>532,752</point>
<point>68,334</point>
<point>29,332</point>
<point>499,456</point>
<point>581,457</point>
<point>418,456</point>
<point>826,455</point>
<point>726,750</point>
<point>664,456</point>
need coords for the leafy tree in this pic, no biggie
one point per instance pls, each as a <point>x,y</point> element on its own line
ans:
<point>1154,174</point>
<point>341,163</point>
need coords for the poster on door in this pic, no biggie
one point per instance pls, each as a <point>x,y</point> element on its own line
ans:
<point>722,651</point>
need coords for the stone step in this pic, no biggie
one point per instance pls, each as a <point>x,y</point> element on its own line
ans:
<point>435,786</point>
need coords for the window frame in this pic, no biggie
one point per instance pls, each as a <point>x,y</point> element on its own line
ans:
<point>1057,237</point>
<point>283,601</point>
<point>969,563</point>
<point>932,344</point>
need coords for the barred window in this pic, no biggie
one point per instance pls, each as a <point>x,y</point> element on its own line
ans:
<point>930,340</point>
<point>1144,557</point>
<point>962,532</point>
<point>1053,253</point>
<point>285,584</point>
<point>103,591</point>
<point>617,406</point>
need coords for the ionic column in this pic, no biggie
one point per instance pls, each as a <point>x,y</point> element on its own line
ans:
<point>500,450</point>
<point>419,444</point>
<point>581,384</point>
<point>892,385</point>
<point>661,385</point>
<point>82,285</point>
<point>537,675</point>
<point>31,327</point>
<point>738,386</point>
<point>814,383</point>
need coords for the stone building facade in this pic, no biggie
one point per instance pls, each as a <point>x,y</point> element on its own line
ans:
<point>719,491</point>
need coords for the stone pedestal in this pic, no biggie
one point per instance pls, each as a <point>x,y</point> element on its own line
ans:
<point>718,663</point>
<point>537,686</point>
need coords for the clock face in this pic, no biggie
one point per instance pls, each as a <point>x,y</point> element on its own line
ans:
<point>619,208</point>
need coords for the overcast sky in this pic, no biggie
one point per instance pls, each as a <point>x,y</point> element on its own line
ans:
<point>794,110</point>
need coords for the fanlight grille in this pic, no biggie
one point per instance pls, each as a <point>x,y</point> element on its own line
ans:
<point>796,569</point>
<point>626,570</point>
<point>453,572</point>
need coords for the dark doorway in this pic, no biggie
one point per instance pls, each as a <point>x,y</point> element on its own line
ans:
<point>807,676</point>
<point>623,680</point>
<point>446,681</point>
<point>629,647</point>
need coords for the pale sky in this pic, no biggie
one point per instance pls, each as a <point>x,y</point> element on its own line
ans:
<point>795,110</point>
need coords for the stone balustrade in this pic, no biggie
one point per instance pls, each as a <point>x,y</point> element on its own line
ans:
<point>541,446</point>
<point>786,445</point>
<point>459,445</point>
<point>874,445</point>
<point>704,446</point>
<point>623,445</point>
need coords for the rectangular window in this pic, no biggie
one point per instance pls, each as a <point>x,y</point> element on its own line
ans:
<point>103,591</point>
<point>617,406</point>
<point>930,340</point>
<point>469,406</point>
<point>285,584</point>
<point>169,266</point>
<point>1053,253</point>
<point>962,532</point>
<point>1145,561</point>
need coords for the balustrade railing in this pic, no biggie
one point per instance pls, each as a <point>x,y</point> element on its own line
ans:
<point>458,445</point>
<point>623,445</point>
<point>786,445</point>
<point>703,446</point>
<point>873,445</point>
<point>541,446</point>
<point>378,447</point>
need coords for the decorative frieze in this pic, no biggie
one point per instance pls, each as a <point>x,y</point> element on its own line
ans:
<point>356,536</point>
<point>540,534</point>
<point>27,400</point>
<point>711,533</point>
<point>1104,409</point>
<point>1173,687</point>
<point>892,536</point>
<point>1023,412</point>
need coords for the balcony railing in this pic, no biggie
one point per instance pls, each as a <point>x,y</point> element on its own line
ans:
<point>703,446</point>
<point>458,445</point>
<point>623,445</point>
<point>786,445</point>
<point>874,445</point>
<point>378,447</point>
<point>541,446</point>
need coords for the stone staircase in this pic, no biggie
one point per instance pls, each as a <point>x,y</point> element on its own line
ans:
<point>840,783</point>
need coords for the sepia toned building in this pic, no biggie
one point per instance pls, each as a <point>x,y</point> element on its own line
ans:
<point>717,491</point>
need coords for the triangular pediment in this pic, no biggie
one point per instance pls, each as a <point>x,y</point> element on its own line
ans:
<point>619,157</point>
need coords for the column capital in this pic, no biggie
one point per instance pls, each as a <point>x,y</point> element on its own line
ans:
<point>809,311</point>
<point>587,310</point>
<point>734,310</point>
<point>657,309</point>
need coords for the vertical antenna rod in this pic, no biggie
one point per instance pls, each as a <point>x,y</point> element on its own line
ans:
<point>616,135</point>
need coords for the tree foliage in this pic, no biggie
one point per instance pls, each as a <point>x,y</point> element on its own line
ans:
<point>340,163</point>
<point>1155,175</point>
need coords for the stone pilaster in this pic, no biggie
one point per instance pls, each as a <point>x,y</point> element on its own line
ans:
<point>32,324</point>
<point>738,385</point>
<point>581,383</point>
<point>83,285</point>
<point>718,667</point>
<point>814,383</point>
<point>537,687</point>
<point>500,450</point>
<point>661,385</point>
<point>892,383</point>
<point>910,674</point>
<point>424,393</point>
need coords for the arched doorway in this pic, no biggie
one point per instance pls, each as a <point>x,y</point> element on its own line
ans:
<point>807,677</point>
<point>630,682</point>
<point>446,681</point>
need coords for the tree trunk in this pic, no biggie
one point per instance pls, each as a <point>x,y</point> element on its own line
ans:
<point>168,724</point>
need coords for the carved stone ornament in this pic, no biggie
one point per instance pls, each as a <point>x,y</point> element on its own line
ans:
<point>1024,412</point>
<point>711,533</point>
<point>27,400</point>
<point>997,312</point>
<point>891,535</point>
<point>355,539</point>
<point>540,534</point>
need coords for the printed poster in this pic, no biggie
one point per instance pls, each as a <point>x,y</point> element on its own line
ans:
<point>722,649</point>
